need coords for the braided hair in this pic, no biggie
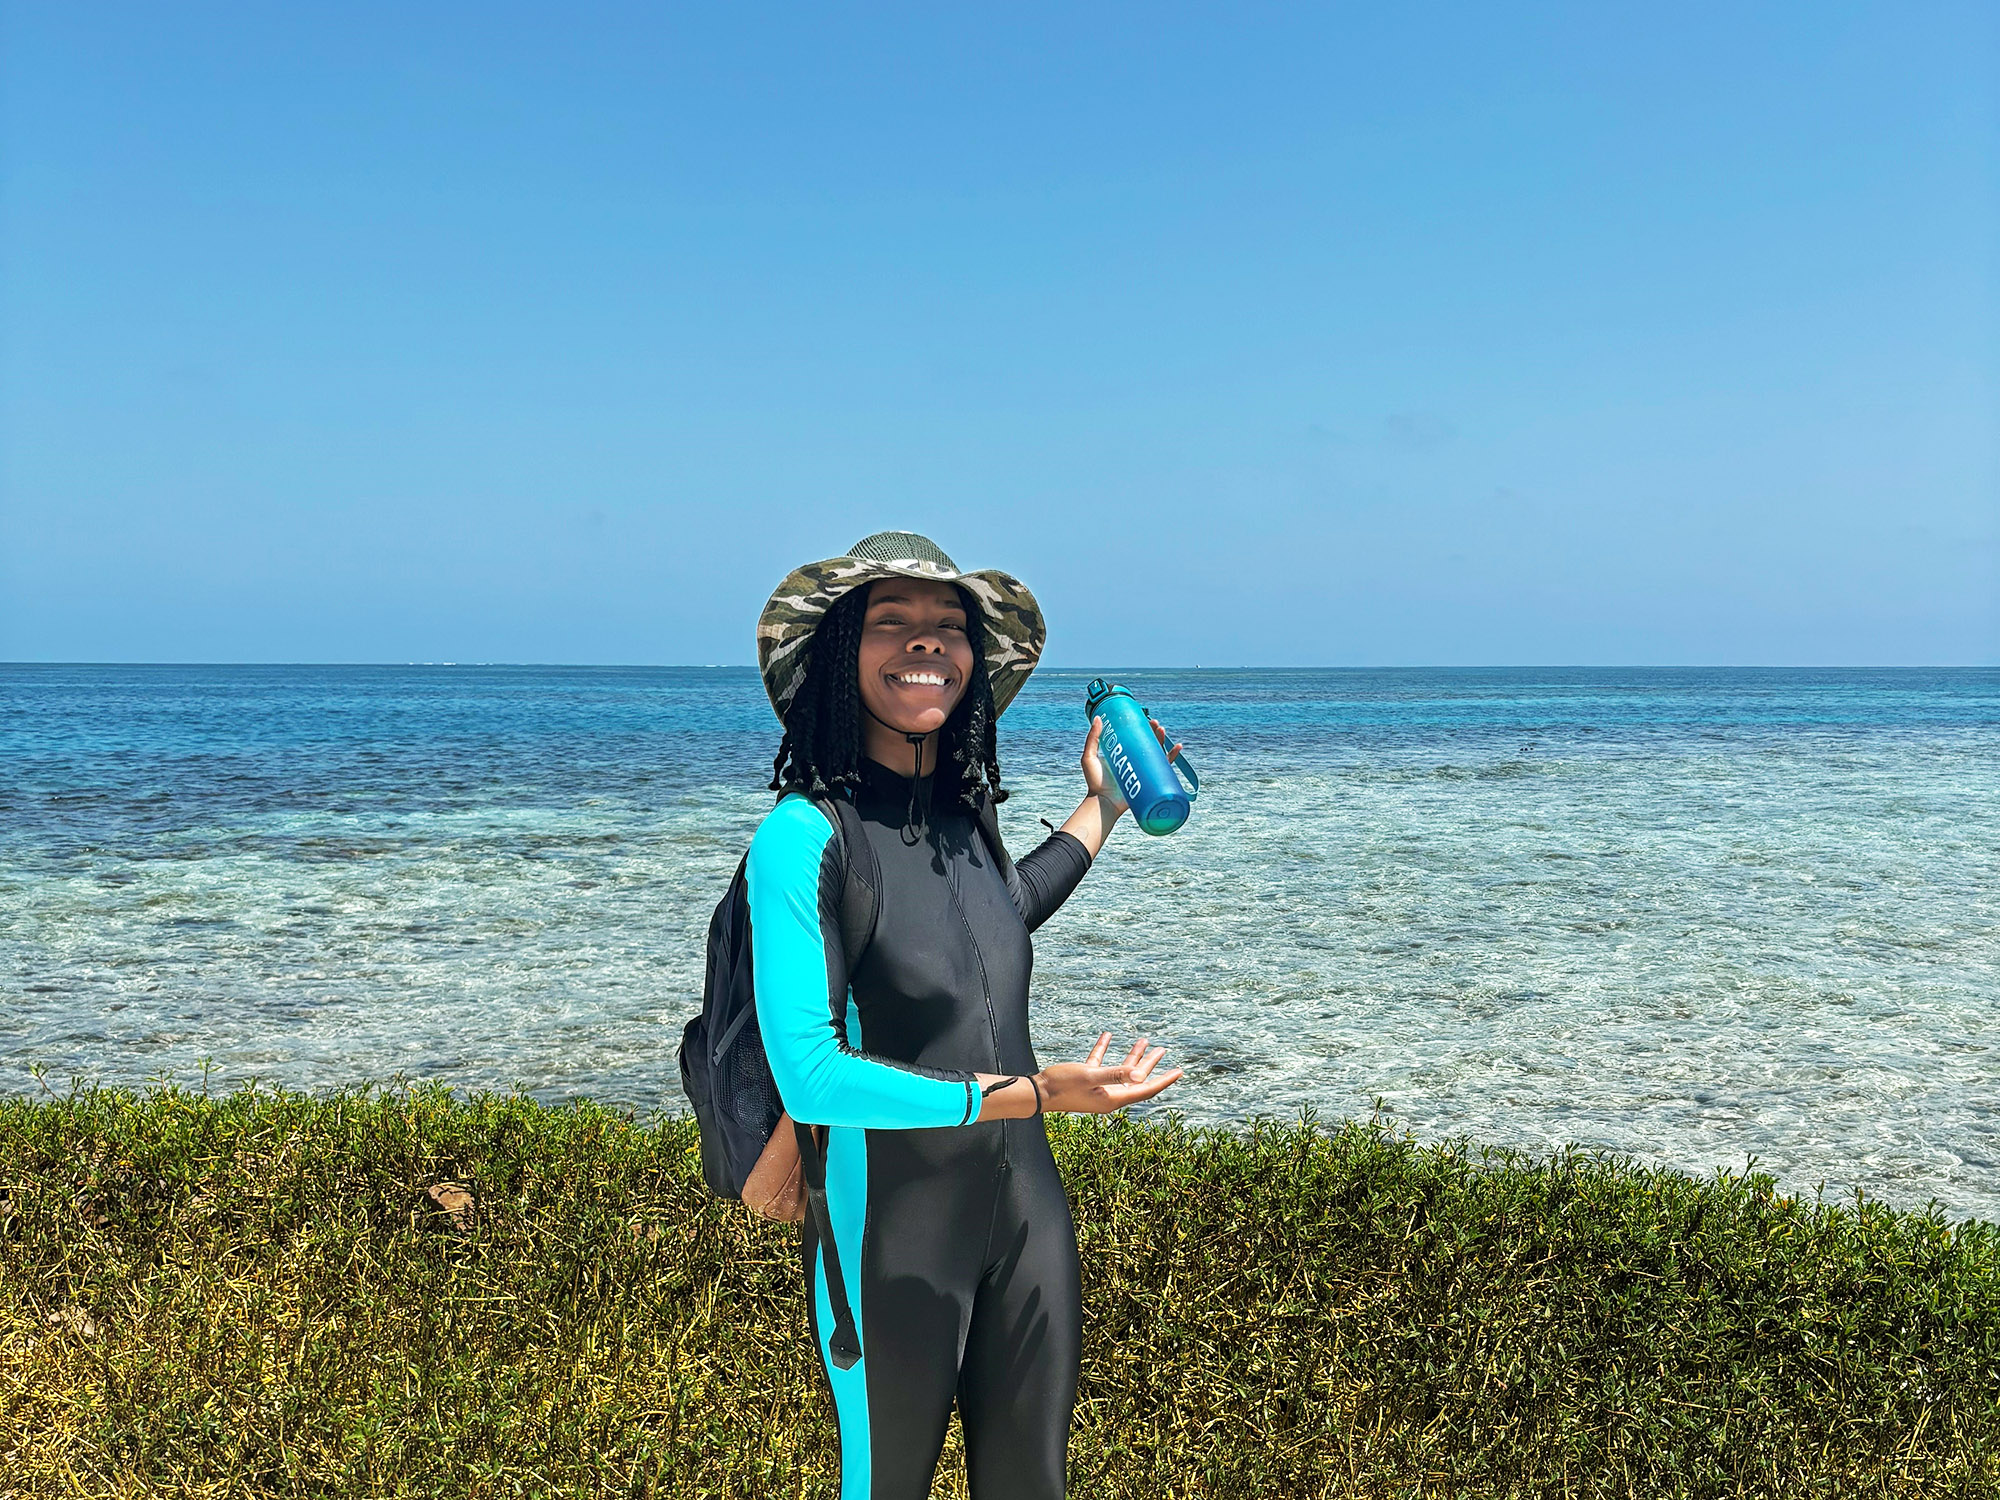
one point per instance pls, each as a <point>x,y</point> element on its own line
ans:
<point>821,752</point>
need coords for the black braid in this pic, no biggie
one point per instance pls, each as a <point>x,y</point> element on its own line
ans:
<point>821,750</point>
<point>971,732</point>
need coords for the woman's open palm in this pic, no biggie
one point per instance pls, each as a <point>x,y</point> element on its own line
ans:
<point>1094,1087</point>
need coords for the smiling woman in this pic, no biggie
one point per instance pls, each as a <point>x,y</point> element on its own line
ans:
<point>913,667</point>
<point>950,1234</point>
<point>915,660</point>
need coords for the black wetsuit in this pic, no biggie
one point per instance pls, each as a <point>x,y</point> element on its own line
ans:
<point>967,1286</point>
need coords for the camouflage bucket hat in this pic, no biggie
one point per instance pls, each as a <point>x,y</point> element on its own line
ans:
<point>1013,621</point>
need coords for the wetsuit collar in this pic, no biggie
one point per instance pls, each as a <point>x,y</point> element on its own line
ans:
<point>916,791</point>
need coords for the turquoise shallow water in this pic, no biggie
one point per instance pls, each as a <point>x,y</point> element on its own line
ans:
<point>1696,916</point>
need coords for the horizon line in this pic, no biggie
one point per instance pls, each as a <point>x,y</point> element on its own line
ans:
<point>1541,666</point>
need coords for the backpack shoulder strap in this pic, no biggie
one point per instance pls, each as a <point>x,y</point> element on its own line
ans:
<point>860,903</point>
<point>860,895</point>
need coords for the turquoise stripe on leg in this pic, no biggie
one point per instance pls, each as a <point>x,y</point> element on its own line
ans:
<point>847,1208</point>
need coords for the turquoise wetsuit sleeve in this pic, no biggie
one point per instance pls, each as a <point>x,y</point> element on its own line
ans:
<point>795,877</point>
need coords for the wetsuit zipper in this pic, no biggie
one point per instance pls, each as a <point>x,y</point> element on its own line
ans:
<point>985,993</point>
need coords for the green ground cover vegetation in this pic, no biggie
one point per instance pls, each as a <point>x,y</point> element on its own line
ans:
<point>256,1294</point>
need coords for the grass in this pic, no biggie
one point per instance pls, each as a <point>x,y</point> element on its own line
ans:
<point>254,1295</point>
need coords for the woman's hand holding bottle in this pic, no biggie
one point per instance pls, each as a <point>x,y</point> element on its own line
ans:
<point>1091,824</point>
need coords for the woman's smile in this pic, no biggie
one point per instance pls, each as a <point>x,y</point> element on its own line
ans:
<point>923,677</point>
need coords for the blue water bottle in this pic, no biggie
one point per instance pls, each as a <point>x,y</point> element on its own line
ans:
<point>1138,762</point>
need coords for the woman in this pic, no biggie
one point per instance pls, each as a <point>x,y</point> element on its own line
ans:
<point>889,668</point>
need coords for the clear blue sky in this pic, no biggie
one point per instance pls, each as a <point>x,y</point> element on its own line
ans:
<point>1363,334</point>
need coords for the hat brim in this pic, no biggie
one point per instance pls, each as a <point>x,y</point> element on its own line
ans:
<point>1013,620</point>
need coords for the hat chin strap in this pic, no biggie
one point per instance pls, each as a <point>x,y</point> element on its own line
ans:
<point>913,818</point>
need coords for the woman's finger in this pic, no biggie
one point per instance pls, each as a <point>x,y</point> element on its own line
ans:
<point>1090,760</point>
<point>1138,1051</point>
<point>1146,1064</point>
<point>1138,1093</point>
<point>1096,1058</point>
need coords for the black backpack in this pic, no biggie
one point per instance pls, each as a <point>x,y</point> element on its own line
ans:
<point>727,1077</point>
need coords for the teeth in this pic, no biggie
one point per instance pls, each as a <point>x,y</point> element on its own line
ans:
<point>922,679</point>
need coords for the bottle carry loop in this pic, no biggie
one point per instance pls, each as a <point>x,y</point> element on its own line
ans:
<point>1186,767</point>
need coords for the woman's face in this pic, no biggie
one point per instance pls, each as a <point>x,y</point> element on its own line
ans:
<point>915,656</point>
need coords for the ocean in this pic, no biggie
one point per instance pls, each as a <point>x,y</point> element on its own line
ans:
<point>1698,917</point>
